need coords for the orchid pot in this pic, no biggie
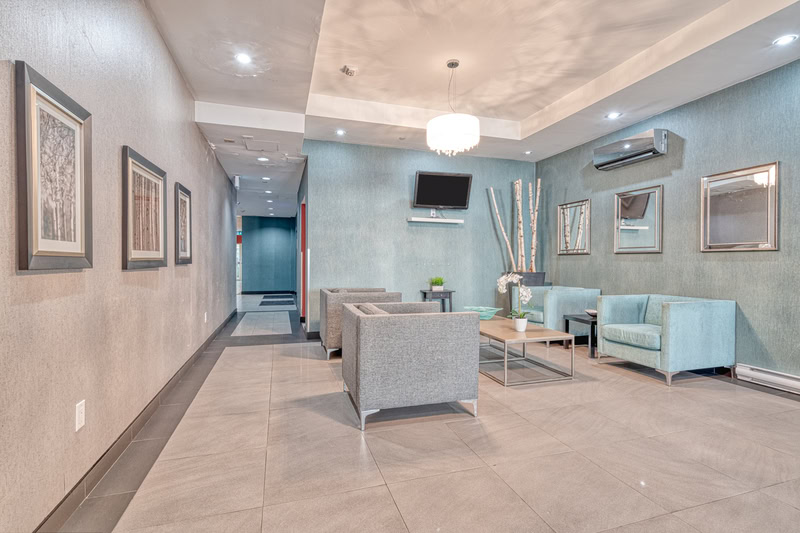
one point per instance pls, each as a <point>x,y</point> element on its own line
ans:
<point>520,324</point>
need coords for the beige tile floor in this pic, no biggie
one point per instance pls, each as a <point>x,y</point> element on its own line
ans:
<point>271,443</point>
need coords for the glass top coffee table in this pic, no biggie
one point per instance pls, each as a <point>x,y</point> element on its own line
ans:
<point>525,368</point>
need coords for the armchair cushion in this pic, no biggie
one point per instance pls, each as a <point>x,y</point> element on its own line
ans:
<point>642,335</point>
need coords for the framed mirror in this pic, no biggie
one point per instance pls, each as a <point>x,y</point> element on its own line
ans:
<point>574,228</point>
<point>739,210</point>
<point>637,221</point>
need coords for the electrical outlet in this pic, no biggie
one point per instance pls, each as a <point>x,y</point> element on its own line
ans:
<point>433,213</point>
<point>205,317</point>
<point>80,414</point>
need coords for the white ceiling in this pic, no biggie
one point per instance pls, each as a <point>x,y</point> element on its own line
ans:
<point>517,56</point>
<point>541,74</point>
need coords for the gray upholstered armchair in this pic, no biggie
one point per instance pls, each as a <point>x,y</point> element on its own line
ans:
<point>407,354</point>
<point>330,311</point>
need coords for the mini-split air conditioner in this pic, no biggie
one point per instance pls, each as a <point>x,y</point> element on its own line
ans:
<point>646,145</point>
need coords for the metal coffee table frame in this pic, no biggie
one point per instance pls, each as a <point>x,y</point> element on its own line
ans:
<point>542,335</point>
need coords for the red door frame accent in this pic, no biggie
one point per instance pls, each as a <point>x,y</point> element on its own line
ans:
<point>303,257</point>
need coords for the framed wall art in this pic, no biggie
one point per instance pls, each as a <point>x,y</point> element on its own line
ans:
<point>574,228</point>
<point>739,210</point>
<point>638,221</point>
<point>54,176</point>
<point>183,225</point>
<point>144,212</point>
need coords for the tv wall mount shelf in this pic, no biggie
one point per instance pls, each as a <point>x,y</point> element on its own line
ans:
<point>437,220</point>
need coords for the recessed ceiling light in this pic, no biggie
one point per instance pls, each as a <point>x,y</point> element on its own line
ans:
<point>271,208</point>
<point>272,214</point>
<point>614,115</point>
<point>268,192</point>
<point>265,178</point>
<point>244,59</point>
<point>263,159</point>
<point>269,201</point>
<point>786,39</point>
<point>627,146</point>
<point>527,152</point>
<point>340,132</point>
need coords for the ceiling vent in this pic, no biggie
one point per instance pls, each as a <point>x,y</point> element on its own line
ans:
<point>261,146</point>
<point>647,145</point>
<point>229,141</point>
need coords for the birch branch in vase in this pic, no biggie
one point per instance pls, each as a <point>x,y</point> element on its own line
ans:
<point>534,220</point>
<point>567,232</point>
<point>520,228</point>
<point>503,231</point>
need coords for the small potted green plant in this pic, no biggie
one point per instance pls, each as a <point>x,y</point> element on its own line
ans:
<point>437,283</point>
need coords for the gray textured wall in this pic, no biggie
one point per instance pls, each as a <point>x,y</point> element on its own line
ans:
<point>268,254</point>
<point>359,199</point>
<point>110,337</point>
<point>751,123</point>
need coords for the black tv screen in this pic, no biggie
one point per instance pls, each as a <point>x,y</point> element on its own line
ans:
<point>438,190</point>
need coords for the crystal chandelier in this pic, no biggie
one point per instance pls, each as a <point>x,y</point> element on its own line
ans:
<point>453,133</point>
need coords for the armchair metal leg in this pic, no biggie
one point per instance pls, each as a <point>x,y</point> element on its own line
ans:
<point>329,352</point>
<point>668,375</point>
<point>344,387</point>
<point>364,414</point>
<point>474,406</point>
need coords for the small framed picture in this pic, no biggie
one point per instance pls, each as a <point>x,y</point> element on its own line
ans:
<point>183,225</point>
<point>54,180</point>
<point>144,212</point>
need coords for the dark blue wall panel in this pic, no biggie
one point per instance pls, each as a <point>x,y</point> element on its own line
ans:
<point>268,254</point>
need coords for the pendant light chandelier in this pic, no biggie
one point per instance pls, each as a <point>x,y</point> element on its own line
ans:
<point>453,133</point>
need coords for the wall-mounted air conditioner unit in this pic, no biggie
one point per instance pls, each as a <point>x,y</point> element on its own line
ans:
<point>651,143</point>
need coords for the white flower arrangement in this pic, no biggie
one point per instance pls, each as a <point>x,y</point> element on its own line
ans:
<point>524,295</point>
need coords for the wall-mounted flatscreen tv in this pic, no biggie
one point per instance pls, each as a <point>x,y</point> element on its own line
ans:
<point>442,190</point>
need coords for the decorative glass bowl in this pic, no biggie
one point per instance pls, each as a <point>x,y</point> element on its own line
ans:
<point>486,313</point>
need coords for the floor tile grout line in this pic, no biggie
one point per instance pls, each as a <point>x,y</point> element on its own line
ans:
<point>266,452</point>
<point>493,471</point>
<point>178,522</point>
<point>625,483</point>
<point>385,484</point>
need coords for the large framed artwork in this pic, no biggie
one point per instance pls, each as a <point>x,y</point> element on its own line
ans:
<point>739,210</point>
<point>54,176</point>
<point>183,225</point>
<point>144,212</point>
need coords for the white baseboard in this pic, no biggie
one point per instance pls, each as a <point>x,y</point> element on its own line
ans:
<point>768,378</point>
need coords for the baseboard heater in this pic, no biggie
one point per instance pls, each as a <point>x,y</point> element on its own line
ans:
<point>768,378</point>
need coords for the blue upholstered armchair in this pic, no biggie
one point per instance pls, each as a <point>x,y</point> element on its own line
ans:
<point>550,303</point>
<point>668,333</point>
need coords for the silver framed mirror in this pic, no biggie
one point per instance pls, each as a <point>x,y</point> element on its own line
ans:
<point>637,221</point>
<point>574,228</point>
<point>739,210</point>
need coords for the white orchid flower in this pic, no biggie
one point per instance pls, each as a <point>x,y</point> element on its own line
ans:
<point>504,280</point>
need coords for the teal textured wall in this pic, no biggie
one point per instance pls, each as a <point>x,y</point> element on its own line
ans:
<point>751,123</point>
<point>359,199</point>
<point>268,254</point>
